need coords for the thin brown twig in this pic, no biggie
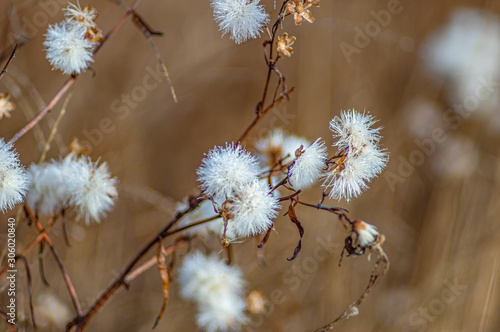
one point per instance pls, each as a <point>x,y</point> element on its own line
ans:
<point>81,321</point>
<point>35,241</point>
<point>153,260</point>
<point>379,271</point>
<point>260,115</point>
<point>4,70</point>
<point>67,279</point>
<point>71,80</point>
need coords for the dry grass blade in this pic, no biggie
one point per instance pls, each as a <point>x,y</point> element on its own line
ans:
<point>162,267</point>
<point>54,129</point>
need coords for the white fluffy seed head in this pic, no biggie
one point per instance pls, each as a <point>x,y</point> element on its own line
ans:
<point>47,195</point>
<point>252,211</point>
<point>353,130</point>
<point>225,169</point>
<point>277,145</point>
<point>360,158</point>
<point>242,19</point>
<point>90,187</point>
<point>367,233</point>
<point>67,49</point>
<point>217,288</point>
<point>14,181</point>
<point>309,166</point>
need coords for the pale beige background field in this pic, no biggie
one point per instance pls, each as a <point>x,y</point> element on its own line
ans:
<point>439,229</point>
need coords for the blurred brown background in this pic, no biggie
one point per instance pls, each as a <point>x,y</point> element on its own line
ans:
<point>442,231</point>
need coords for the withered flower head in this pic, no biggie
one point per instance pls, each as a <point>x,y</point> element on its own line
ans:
<point>284,44</point>
<point>6,106</point>
<point>300,11</point>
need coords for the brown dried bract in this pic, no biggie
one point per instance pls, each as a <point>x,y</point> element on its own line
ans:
<point>284,44</point>
<point>300,11</point>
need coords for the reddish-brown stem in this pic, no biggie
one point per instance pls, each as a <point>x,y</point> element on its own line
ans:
<point>33,243</point>
<point>4,70</point>
<point>153,260</point>
<point>70,81</point>
<point>67,280</point>
<point>260,115</point>
<point>81,321</point>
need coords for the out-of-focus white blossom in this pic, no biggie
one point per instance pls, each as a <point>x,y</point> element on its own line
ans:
<point>217,288</point>
<point>367,233</point>
<point>67,49</point>
<point>225,169</point>
<point>14,181</point>
<point>309,165</point>
<point>51,312</point>
<point>253,210</point>
<point>466,52</point>
<point>242,19</point>
<point>359,157</point>
<point>277,146</point>
<point>47,194</point>
<point>90,187</point>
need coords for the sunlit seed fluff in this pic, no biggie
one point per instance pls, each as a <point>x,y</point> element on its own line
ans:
<point>46,195</point>
<point>367,233</point>
<point>353,130</point>
<point>253,210</point>
<point>277,146</point>
<point>14,181</point>
<point>360,157</point>
<point>67,49</point>
<point>91,189</point>
<point>309,166</point>
<point>217,288</point>
<point>225,169</point>
<point>242,19</point>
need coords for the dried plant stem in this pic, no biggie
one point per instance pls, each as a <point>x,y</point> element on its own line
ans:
<point>44,111</point>
<point>32,244</point>
<point>154,260</point>
<point>81,321</point>
<point>67,279</point>
<point>4,70</point>
<point>71,80</point>
<point>260,115</point>
<point>379,271</point>
<point>54,129</point>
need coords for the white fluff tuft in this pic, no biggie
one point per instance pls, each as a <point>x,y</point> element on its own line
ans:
<point>309,166</point>
<point>253,210</point>
<point>67,49</point>
<point>47,195</point>
<point>91,189</point>
<point>242,19</point>
<point>14,181</point>
<point>217,288</point>
<point>360,158</point>
<point>225,169</point>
